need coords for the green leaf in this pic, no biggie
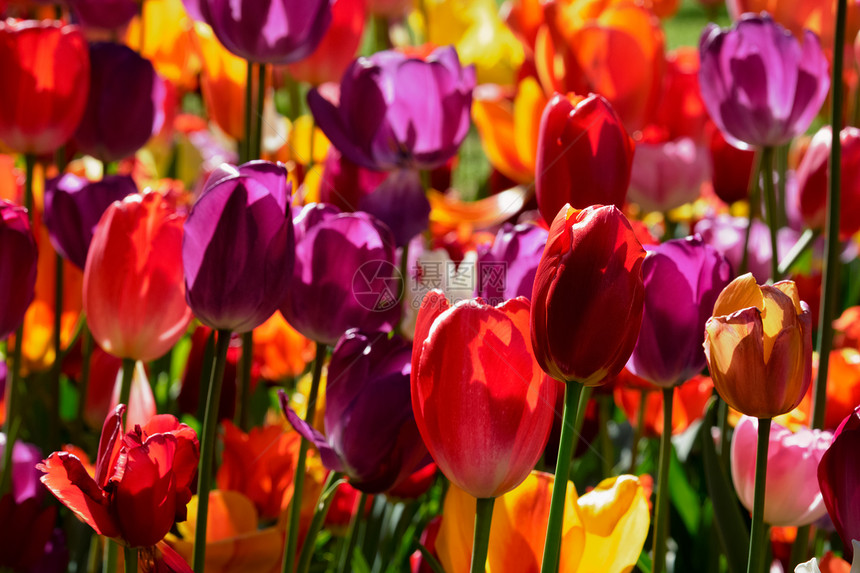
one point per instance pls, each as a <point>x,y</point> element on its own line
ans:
<point>644,563</point>
<point>359,563</point>
<point>731,527</point>
<point>683,496</point>
<point>434,563</point>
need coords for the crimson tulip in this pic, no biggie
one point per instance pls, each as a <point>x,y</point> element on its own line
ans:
<point>588,295</point>
<point>134,294</point>
<point>45,68</point>
<point>18,256</point>
<point>142,481</point>
<point>584,155</point>
<point>839,478</point>
<point>481,402</point>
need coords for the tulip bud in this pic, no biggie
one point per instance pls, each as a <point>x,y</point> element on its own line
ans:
<point>812,175</point>
<point>482,404</point>
<point>584,155</point>
<point>588,295</point>
<point>46,70</point>
<point>133,292</point>
<point>758,345</point>
<point>507,269</point>
<point>18,255</point>
<point>759,85</point>
<point>125,105</point>
<point>792,496</point>
<point>239,247</point>
<point>270,31</point>
<point>683,278</point>
<point>73,207</point>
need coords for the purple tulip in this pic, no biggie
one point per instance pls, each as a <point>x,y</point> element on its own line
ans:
<point>344,184</point>
<point>18,256</point>
<point>399,112</point>
<point>345,276</point>
<point>683,278</point>
<point>269,31</point>
<point>25,476</point>
<point>400,203</point>
<point>726,234</point>
<point>667,174</point>
<point>238,246</point>
<point>760,86</point>
<point>125,106</point>
<point>73,207</point>
<point>370,431</point>
<point>106,14</point>
<point>507,269</point>
<point>839,478</point>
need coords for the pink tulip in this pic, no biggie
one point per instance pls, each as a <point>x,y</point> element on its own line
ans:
<point>792,495</point>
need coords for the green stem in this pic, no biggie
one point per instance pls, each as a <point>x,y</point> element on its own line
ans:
<point>29,168</point>
<point>207,449</point>
<point>758,540</point>
<point>552,546</point>
<point>800,547</point>
<point>481,540</point>
<point>606,453</point>
<point>245,147</point>
<point>352,535</point>
<point>130,554</point>
<point>770,210</point>
<point>288,566</point>
<point>109,563</point>
<point>725,443</point>
<point>781,169</point>
<point>6,468</point>
<point>637,433</point>
<point>753,199</point>
<point>803,243</point>
<point>381,36</point>
<point>127,375</point>
<point>13,424</point>
<point>57,367</point>
<point>243,403</point>
<point>661,512</point>
<point>830,280</point>
<point>258,118</point>
<point>320,512</point>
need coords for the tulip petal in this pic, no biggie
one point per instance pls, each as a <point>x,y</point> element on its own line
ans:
<point>328,455</point>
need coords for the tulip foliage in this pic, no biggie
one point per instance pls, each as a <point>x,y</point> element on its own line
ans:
<point>294,286</point>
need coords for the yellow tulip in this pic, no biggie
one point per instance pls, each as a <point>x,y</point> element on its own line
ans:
<point>604,530</point>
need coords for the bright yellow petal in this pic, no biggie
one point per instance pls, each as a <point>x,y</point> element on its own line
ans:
<point>528,109</point>
<point>743,292</point>
<point>495,122</point>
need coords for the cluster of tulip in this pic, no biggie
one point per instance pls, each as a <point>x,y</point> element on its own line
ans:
<point>256,267</point>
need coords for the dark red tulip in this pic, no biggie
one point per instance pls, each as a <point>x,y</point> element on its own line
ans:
<point>481,402</point>
<point>18,256</point>
<point>45,68</point>
<point>588,297</point>
<point>584,155</point>
<point>839,478</point>
<point>142,480</point>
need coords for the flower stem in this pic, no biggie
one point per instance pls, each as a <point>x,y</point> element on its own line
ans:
<point>130,559</point>
<point>803,243</point>
<point>290,546</point>
<point>800,547</point>
<point>661,511</point>
<point>320,512</point>
<point>552,546</point>
<point>110,554</point>
<point>245,146</point>
<point>830,279</point>
<point>637,433</point>
<point>481,540</point>
<point>606,451</point>
<point>770,209</point>
<point>753,199</point>
<point>207,449</point>
<point>127,375</point>
<point>257,149</point>
<point>57,366</point>
<point>243,404</point>
<point>352,535</point>
<point>757,535</point>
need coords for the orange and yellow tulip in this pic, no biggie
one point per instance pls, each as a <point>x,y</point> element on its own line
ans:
<point>689,399</point>
<point>222,82</point>
<point>604,530</point>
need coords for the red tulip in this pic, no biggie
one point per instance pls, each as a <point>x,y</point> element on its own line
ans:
<point>142,483</point>
<point>45,68</point>
<point>481,403</point>
<point>337,48</point>
<point>588,296</point>
<point>134,290</point>
<point>731,167</point>
<point>584,155</point>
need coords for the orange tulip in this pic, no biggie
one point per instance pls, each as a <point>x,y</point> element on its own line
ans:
<point>611,47</point>
<point>847,328</point>
<point>604,530</point>
<point>509,131</point>
<point>234,543</point>
<point>222,82</point>
<point>690,400</point>
<point>260,464</point>
<point>280,350</point>
<point>164,37</point>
